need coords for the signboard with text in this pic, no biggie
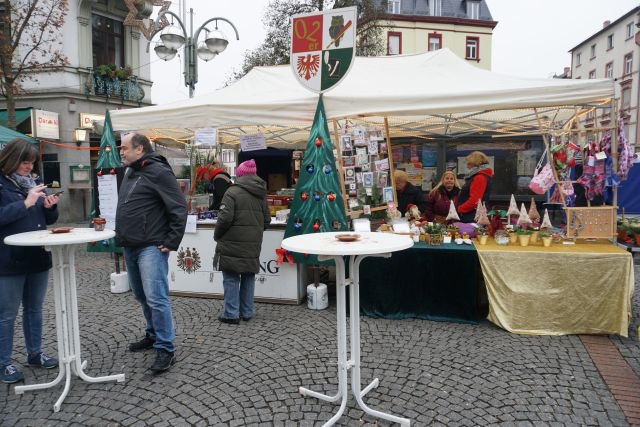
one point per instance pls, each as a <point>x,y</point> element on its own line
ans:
<point>45,124</point>
<point>323,47</point>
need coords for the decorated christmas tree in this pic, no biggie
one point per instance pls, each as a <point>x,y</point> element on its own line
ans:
<point>108,156</point>
<point>534,215</point>
<point>483,218</point>
<point>546,222</point>
<point>318,205</point>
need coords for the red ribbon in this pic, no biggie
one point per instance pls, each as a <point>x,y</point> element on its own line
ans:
<point>282,253</point>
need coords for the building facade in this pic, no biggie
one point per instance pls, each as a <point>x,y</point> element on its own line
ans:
<point>613,53</point>
<point>463,26</point>
<point>107,69</point>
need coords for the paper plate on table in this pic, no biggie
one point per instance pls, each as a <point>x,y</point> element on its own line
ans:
<point>58,230</point>
<point>348,237</point>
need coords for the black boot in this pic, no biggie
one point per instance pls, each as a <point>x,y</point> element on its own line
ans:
<point>144,344</point>
<point>164,360</point>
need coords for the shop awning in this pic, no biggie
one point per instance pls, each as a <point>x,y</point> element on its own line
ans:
<point>7,135</point>
<point>22,114</point>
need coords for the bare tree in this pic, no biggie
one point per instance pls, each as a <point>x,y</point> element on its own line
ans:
<point>277,20</point>
<point>30,43</point>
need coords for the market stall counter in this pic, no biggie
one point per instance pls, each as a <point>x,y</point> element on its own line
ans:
<point>581,288</point>
<point>191,270</point>
<point>426,282</point>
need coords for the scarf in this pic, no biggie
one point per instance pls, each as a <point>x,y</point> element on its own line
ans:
<point>25,183</point>
<point>474,170</point>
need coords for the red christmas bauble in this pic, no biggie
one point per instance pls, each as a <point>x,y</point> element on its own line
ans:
<point>304,196</point>
<point>318,142</point>
<point>331,197</point>
<point>316,227</point>
<point>112,171</point>
<point>100,173</point>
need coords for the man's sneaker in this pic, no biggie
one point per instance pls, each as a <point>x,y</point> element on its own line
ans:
<point>229,320</point>
<point>9,374</point>
<point>164,360</point>
<point>144,344</point>
<point>42,360</point>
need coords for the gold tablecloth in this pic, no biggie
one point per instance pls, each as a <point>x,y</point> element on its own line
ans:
<point>584,288</point>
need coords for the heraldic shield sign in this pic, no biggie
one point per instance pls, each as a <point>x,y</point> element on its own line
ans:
<point>323,46</point>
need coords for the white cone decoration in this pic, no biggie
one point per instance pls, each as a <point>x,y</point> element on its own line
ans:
<point>513,207</point>
<point>534,215</point>
<point>524,216</point>
<point>483,219</point>
<point>453,214</point>
<point>478,211</point>
<point>546,222</point>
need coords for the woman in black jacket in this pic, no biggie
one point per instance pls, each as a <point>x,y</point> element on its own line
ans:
<point>24,271</point>
<point>408,194</point>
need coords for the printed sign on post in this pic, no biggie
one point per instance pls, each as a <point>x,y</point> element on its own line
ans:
<point>323,47</point>
<point>253,142</point>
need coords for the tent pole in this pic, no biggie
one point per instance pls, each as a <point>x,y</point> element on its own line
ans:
<point>336,136</point>
<point>614,149</point>
<point>390,157</point>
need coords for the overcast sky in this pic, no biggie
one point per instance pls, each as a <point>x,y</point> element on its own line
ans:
<point>532,38</point>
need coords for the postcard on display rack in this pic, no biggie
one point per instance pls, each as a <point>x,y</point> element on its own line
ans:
<point>367,179</point>
<point>358,177</point>
<point>362,156</point>
<point>353,203</point>
<point>382,179</point>
<point>373,147</point>
<point>383,148</point>
<point>349,175</point>
<point>366,209</point>
<point>376,135</point>
<point>348,161</point>
<point>365,168</point>
<point>345,143</point>
<point>387,194</point>
<point>382,165</point>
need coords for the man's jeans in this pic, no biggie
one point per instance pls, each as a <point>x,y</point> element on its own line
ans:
<point>147,268</point>
<point>30,289</point>
<point>238,294</point>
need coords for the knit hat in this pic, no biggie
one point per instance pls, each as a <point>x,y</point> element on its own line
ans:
<point>246,168</point>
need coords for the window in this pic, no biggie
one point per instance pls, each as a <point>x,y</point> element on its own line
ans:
<point>592,74</point>
<point>107,41</point>
<point>394,43</point>
<point>473,48</point>
<point>393,6</point>
<point>473,9</point>
<point>435,41</point>
<point>593,51</point>
<point>610,41</point>
<point>436,7</point>
<point>628,63</point>
<point>626,97</point>
<point>578,59</point>
<point>630,26</point>
<point>608,71</point>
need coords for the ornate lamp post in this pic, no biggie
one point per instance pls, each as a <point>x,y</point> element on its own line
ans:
<point>171,40</point>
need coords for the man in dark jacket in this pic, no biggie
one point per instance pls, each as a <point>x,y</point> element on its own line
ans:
<point>242,219</point>
<point>150,222</point>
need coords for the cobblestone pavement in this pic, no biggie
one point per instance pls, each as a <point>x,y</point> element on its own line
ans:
<point>435,373</point>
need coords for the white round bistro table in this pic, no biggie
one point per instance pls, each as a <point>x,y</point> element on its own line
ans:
<point>62,247</point>
<point>326,246</point>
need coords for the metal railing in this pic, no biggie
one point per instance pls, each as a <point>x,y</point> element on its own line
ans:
<point>113,87</point>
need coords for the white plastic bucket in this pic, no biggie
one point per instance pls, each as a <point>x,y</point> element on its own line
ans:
<point>119,282</point>
<point>317,298</point>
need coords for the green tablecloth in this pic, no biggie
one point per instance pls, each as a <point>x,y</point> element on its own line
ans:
<point>425,282</point>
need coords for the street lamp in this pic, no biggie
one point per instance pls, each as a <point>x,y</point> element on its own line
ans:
<point>171,39</point>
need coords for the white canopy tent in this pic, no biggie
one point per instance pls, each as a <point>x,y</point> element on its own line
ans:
<point>433,94</point>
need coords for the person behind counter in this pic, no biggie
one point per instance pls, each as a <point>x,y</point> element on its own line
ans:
<point>24,271</point>
<point>440,198</point>
<point>242,219</point>
<point>477,185</point>
<point>218,181</point>
<point>408,194</point>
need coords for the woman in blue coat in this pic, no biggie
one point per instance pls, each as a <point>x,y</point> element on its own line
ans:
<point>24,271</point>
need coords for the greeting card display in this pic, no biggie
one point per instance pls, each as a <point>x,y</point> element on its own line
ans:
<point>364,160</point>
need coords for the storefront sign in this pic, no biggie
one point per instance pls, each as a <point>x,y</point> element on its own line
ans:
<point>323,47</point>
<point>86,120</point>
<point>45,124</point>
<point>253,142</point>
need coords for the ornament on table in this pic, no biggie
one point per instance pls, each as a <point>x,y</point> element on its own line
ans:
<point>478,211</point>
<point>513,207</point>
<point>453,214</point>
<point>523,219</point>
<point>546,222</point>
<point>483,218</point>
<point>392,211</point>
<point>412,212</point>
<point>534,215</point>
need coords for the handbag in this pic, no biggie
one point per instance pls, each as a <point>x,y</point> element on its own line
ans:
<point>542,177</point>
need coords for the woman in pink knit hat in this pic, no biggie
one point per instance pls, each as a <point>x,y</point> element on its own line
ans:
<point>242,219</point>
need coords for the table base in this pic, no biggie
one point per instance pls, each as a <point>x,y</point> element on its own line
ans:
<point>354,363</point>
<point>67,327</point>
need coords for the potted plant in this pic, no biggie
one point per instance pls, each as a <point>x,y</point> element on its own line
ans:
<point>103,70</point>
<point>524,236</point>
<point>634,228</point>
<point>545,235</point>
<point>483,235</point>
<point>535,232</point>
<point>123,73</point>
